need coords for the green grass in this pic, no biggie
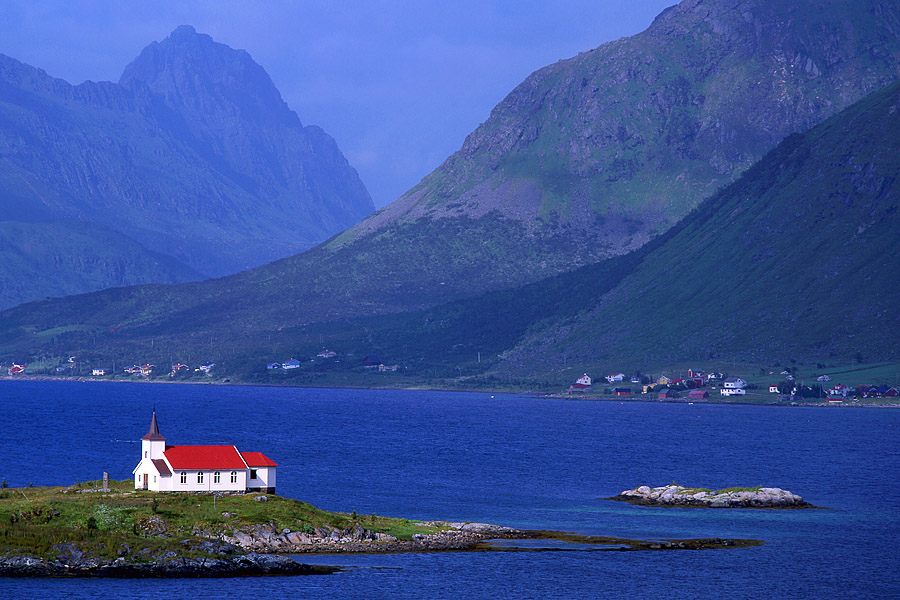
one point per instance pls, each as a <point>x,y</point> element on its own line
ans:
<point>33,520</point>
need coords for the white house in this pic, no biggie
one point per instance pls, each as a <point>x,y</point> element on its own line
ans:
<point>734,383</point>
<point>613,377</point>
<point>200,468</point>
<point>584,379</point>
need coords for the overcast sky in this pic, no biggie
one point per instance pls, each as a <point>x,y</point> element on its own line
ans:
<point>398,84</point>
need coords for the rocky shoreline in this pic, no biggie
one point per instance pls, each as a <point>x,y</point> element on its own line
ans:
<point>245,565</point>
<point>677,495</point>
<point>331,540</point>
<point>260,550</point>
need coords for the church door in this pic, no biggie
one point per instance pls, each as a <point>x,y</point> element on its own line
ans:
<point>145,480</point>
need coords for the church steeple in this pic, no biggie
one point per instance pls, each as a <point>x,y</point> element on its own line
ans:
<point>153,435</point>
<point>153,445</point>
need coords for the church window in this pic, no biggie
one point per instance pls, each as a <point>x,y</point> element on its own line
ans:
<point>200,477</point>
<point>183,477</point>
<point>234,477</point>
<point>145,454</point>
<point>217,478</point>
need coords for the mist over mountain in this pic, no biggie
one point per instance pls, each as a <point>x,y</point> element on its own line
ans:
<point>192,155</point>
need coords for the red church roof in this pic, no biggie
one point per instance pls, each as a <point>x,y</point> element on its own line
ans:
<point>258,459</point>
<point>204,457</point>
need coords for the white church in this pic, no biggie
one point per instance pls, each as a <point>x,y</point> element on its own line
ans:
<point>200,468</point>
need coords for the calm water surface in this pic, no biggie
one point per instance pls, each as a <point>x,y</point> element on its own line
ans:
<point>507,459</point>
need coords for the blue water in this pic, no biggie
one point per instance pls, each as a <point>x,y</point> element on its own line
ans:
<point>506,459</point>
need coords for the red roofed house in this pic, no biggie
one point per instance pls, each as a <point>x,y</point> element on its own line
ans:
<point>200,468</point>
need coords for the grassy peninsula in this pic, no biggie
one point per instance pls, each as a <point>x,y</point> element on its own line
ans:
<point>147,526</point>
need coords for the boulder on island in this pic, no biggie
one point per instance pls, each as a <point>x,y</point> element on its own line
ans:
<point>737,497</point>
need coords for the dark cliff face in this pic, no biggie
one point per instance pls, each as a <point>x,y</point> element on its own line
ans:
<point>616,144</point>
<point>193,155</point>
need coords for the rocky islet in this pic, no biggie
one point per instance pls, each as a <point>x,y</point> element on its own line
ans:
<point>677,495</point>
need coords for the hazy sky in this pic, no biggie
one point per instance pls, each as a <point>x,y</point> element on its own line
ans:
<point>398,84</point>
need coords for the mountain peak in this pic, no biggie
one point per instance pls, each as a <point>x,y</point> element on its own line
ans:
<point>184,32</point>
<point>193,71</point>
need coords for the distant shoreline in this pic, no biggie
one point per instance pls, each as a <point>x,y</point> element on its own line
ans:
<point>557,395</point>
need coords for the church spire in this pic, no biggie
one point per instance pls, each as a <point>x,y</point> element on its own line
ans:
<point>153,435</point>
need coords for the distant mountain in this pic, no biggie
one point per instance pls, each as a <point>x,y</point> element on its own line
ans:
<point>193,154</point>
<point>447,239</point>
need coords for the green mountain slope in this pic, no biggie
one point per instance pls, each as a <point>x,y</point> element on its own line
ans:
<point>592,156</point>
<point>795,259</point>
<point>57,258</point>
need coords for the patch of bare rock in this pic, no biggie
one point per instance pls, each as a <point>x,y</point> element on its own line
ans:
<point>677,495</point>
<point>452,536</point>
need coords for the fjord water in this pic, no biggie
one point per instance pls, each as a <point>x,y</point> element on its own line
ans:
<point>507,459</point>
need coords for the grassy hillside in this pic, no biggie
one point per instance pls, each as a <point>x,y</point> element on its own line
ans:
<point>144,525</point>
<point>795,259</point>
<point>57,258</point>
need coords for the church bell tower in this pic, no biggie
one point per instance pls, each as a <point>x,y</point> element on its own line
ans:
<point>153,444</point>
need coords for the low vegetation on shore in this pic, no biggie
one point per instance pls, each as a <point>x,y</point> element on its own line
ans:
<point>144,526</point>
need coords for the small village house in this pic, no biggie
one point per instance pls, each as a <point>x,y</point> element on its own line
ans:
<point>667,394</point>
<point>614,377</point>
<point>16,369</point>
<point>327,354</point>
<point>622,391</point>
<point>165,468</point>
<point>663,380</point>
<point>290,364</point>
<point>698,395</point>
<point>734,383</point>
<point>177,368</point>
<point>581,385</point>
<point>838,389</point>
<point>773,388</point>
<point>733,386</point>
<point>98,372</point>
